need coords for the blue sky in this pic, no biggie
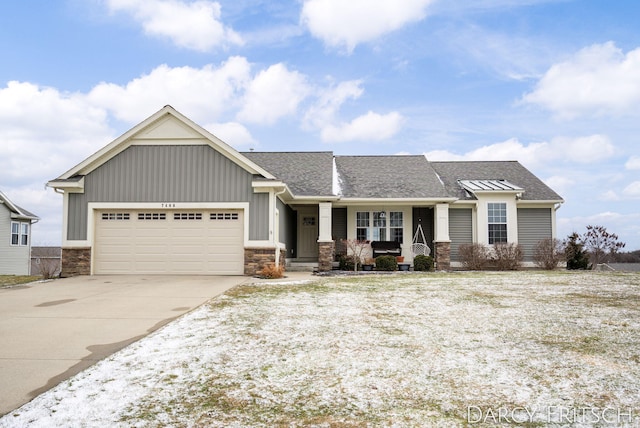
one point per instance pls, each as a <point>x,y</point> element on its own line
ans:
<point>552,84</point>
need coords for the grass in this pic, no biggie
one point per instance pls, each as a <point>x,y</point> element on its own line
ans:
<point>13,280</point>
<point>400,350</point>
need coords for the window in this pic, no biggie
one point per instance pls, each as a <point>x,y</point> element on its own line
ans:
<point>15,233</point>
<point>497,215</point>
<point>24,234</point>
<point>223,216</point>
<point>362,225</point>
<point>115,216</point>
<point>379,226</point>
<point>187,216</point>
<point>19,233</point>
<point>152,216</point>
<point>396,226</point>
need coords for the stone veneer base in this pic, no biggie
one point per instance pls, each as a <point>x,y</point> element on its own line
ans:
<point>443,255</point>
<point>76,262</point>
<point>325,256</point>
<point>257,258</point>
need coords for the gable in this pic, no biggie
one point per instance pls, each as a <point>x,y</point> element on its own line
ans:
<point>166,127</point>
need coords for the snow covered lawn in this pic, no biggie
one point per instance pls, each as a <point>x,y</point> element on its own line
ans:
<point>402,350</point>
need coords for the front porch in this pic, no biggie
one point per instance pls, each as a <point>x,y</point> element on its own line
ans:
<point>320,230</point>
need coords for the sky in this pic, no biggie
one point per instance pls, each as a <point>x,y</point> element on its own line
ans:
<point>554,84</point>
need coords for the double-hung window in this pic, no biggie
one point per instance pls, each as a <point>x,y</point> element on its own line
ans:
<point>19,233</point>
<point>497,219</point>
<point>379,226</point>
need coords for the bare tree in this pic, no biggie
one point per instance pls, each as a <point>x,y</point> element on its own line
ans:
<point>48,261</point>
<point>548,253</point>
<point>356,248</point>
<point>600,244</point>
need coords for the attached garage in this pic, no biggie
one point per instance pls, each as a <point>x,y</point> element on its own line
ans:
<point>198,242</point>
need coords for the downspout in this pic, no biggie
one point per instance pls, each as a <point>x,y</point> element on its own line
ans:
<point>276,239</point>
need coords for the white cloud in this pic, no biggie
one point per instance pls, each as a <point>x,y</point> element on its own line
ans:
<point>192,25</point>
<point>345,24</point>
<point>589,149</point>
<point>633,163</point>
<point>598,80</point>
<point>202,94</point>
<point>232,133</point>
<point>42,128</point>
<point>329,102</point>
<point>632,190</point>
<point>368,127</point>
<point>274,93</point>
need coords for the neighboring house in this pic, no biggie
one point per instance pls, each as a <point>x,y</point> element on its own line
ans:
<point>46,261</point>
<point>15,244</point>
<point>168,197</point>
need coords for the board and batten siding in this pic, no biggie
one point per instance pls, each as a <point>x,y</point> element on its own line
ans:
<point>460,229</point>
<point>534,225</point>
<point>14,259</point>
<point>167,173</point>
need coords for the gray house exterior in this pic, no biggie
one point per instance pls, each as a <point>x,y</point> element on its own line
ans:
<point>15,244</point>
<point>168,197</point>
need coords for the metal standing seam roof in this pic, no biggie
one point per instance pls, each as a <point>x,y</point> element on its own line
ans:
<point>489,185</point>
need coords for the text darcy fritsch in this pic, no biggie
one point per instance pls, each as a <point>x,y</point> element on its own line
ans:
<point>552,414</point>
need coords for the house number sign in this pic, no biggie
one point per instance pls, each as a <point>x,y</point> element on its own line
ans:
<point>167,205</point>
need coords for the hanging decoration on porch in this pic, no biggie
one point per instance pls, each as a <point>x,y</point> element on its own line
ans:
<point>419,245</point>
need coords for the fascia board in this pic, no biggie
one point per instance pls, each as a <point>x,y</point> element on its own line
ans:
<point>398,201</point>
<point>71,186</point>
<point>125,140</point>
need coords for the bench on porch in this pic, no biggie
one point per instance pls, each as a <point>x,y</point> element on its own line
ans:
<point>385,248</point>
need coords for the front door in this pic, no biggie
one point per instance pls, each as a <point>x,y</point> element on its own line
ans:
<point>308,233</point>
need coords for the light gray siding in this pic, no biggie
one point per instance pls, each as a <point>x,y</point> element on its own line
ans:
<point>460,229</point>
<point>14,259</point>
<point>169,174</point>
<point>534,225</point>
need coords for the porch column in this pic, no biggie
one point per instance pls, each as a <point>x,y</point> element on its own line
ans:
<point>325,240</point>
<point>442,242</point>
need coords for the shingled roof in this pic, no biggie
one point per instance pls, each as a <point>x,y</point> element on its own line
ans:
<point>388,177</point>
<point>393,176</point>
<point>17,211</point>
<point>306,173</point>
<point>511,171</point>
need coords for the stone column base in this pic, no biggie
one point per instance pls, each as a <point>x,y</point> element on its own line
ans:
<point>443,255</point>
<point>325,256</point>
<point>257,258</point>
<point>76,262</point>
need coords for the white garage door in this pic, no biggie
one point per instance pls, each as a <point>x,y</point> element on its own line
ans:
<point>203,242</point>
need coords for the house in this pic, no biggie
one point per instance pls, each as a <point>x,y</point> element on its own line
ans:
<point>168,197</point>
<point>46,261</point>
<point>15,246</point>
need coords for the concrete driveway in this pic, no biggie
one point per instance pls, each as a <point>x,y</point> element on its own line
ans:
<point>51,331</point>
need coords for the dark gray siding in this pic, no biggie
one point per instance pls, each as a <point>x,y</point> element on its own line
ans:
<point>460,229</point>
<point>423,216</point>
<point>169,174</point>
<point>534,224</point>
<point>288,225</point>
<point>339,228</point>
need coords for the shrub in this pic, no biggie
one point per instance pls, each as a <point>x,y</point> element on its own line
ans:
<point>271,271</point>
<point>507,256</point>
<point>386,263</point>
<point>548,253</point>
<point>474,256</point>
<point>346,262</point>
<point>423,263</point>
